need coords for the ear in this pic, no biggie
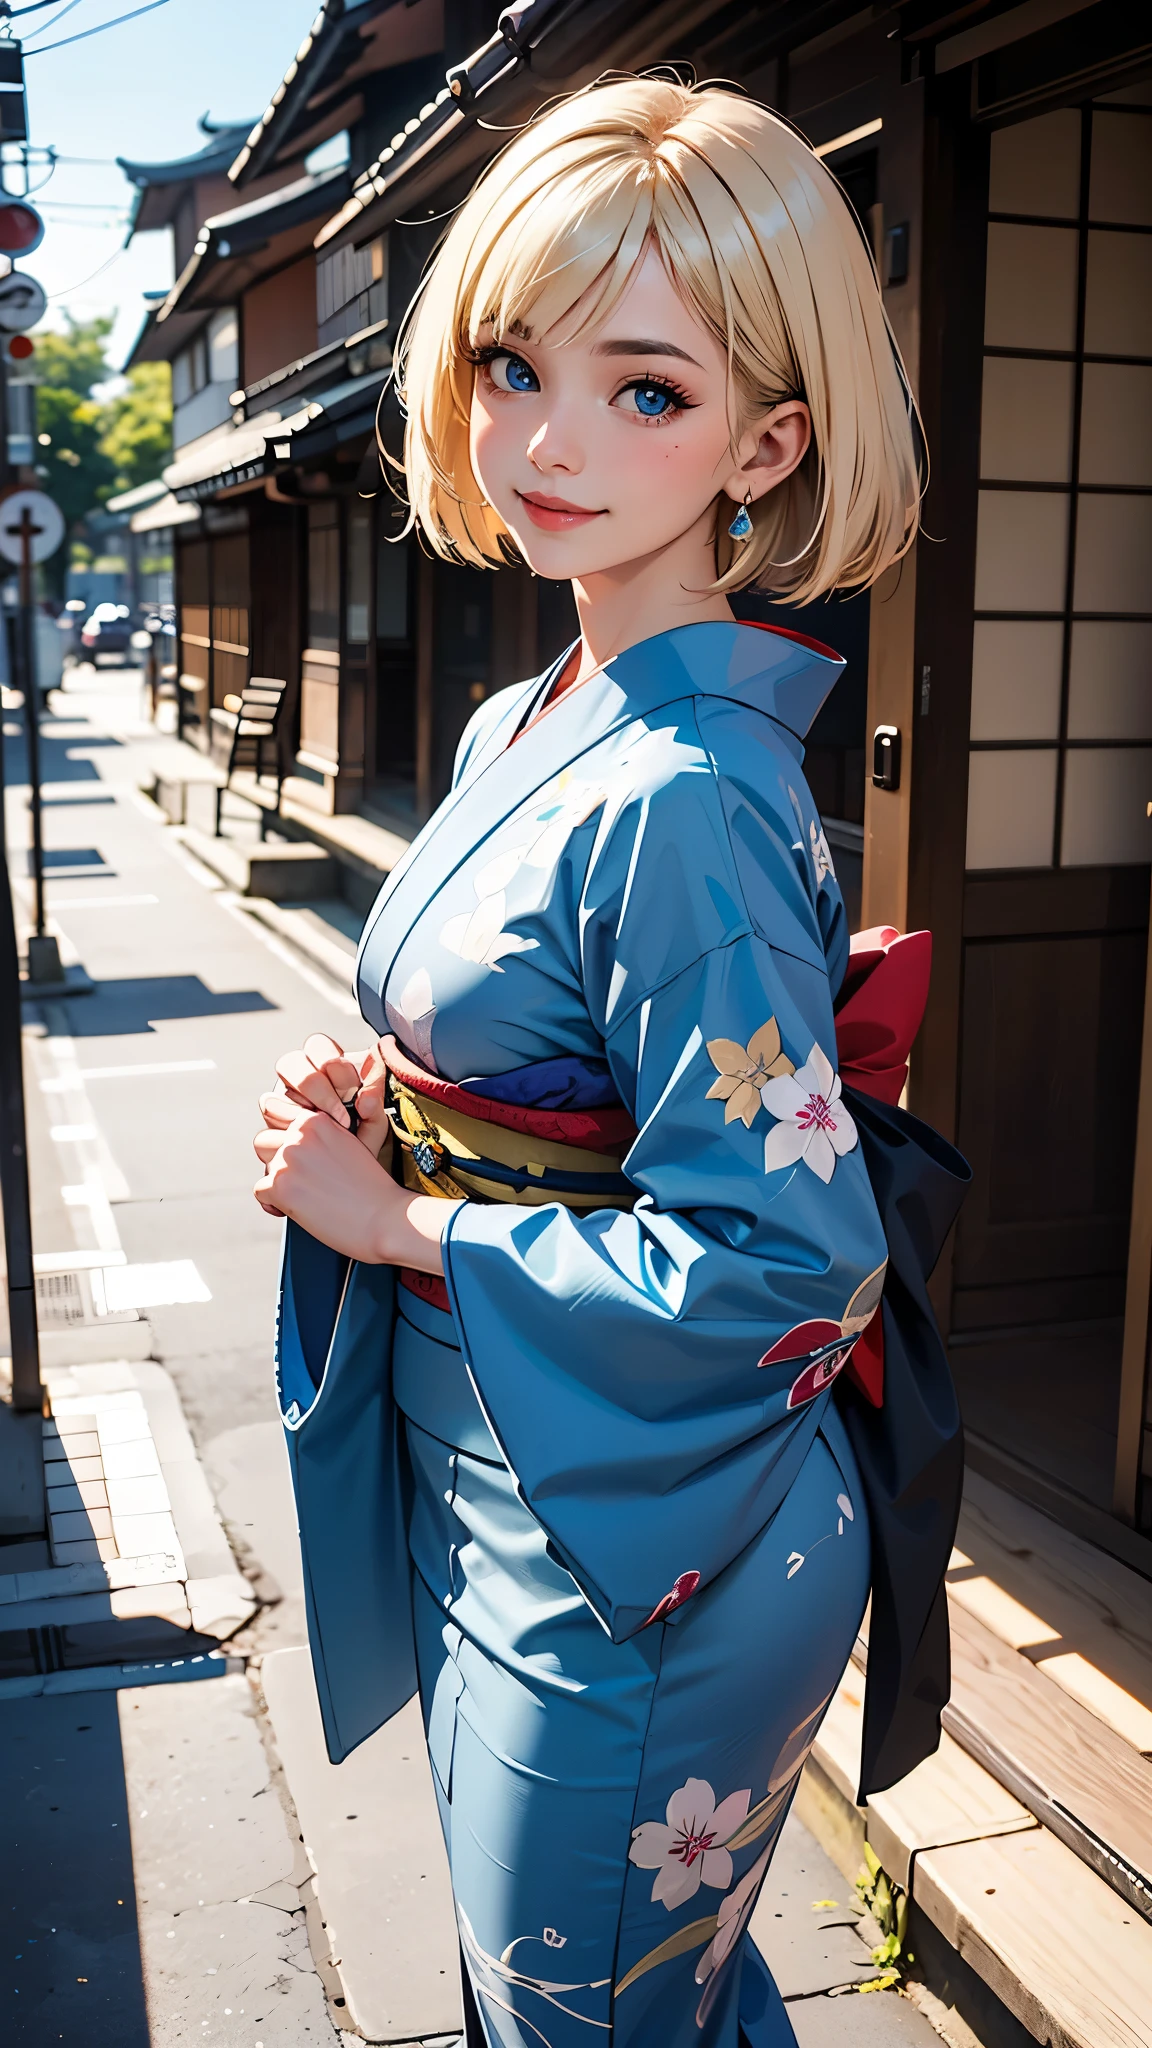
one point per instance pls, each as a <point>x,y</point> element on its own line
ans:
<point>770,450</point>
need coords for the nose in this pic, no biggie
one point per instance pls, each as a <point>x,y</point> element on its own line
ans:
<point>554,448</point>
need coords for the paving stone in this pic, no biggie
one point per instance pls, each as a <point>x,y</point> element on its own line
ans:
<point>67,1497</point>
<point>140,1535</point>
<point>223,1938</point>
<point>138,1497</point>
<point>372,1834</point>
<point>131,1461</point>
<point>79,1527</point>
<point>205,1824</point>
<point>70,1448</point>
<point>807,1951</point>
<point>219,1605</point>
<point>875,2019</point>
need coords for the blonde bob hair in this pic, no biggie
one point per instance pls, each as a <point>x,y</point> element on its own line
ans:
<point>759,240</point>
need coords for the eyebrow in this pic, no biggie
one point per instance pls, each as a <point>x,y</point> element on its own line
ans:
<point>645,348</point>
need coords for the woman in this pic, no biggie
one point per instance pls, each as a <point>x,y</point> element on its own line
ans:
<point>634,1233</point>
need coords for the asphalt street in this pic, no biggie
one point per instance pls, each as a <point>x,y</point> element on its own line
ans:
<point>149,1869</point>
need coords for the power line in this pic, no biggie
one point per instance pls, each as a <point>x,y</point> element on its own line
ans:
<point>90,279</point>
<point>36,7</point>
<point>71,7</point>
<point>86,32</point>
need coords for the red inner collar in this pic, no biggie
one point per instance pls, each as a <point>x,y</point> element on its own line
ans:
<point>788,633</point>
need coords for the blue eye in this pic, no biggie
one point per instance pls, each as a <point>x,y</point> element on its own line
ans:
<point>652,400</point>
<point>512,373</point>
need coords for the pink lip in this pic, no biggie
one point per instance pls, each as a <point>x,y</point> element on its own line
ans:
<point>554,515</point>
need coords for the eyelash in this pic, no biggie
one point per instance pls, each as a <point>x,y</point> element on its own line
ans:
<point>680,399</point>
<point>482,358</point>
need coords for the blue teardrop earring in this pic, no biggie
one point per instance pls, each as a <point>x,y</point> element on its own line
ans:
<point>741,525</point>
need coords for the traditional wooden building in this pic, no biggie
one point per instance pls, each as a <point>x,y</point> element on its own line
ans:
<point>1000,161</point>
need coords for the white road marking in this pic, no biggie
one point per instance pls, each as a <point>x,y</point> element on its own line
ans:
<point>57,1083</point>
<point>99,1180</point>
<point>102,902</point>
<point>75,1261</point>
<point>158,1285</point>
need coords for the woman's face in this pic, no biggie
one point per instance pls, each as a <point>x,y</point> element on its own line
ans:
<point>604,450</point>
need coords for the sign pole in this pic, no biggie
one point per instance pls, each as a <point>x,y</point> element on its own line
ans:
<point>15,1202</point>
<point>26,660</point>
<point>27,1392</point>
<point>31,528</point>
<point>15,1197</point>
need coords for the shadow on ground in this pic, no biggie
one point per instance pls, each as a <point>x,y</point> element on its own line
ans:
<point>120,1008</point>
<point>67,1894</point>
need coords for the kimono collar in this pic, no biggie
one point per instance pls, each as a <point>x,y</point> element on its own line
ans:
<point>767,668</point>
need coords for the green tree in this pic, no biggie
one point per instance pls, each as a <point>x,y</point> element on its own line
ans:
<point>75,359</point>
<point>87,448</point>
<point>138,435</point>
<point>73,466</point>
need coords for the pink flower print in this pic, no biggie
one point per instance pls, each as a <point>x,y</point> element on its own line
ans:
<point>813,1123</point>
<point>682,1590</point>
<point>731,1921</point>
<point>689,1850</point>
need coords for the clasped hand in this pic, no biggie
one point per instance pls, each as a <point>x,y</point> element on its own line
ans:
<point>335,1183</point>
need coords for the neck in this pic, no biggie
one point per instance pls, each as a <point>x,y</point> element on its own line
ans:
<point>635,600</point>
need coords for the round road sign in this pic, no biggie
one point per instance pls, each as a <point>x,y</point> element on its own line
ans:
<point>22,302</point>
<point>45,525</point>
<point>21,228</point>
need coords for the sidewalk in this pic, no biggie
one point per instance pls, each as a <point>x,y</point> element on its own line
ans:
<point>183,1863</point>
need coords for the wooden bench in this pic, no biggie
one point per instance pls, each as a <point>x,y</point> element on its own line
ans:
<point>254,719</point>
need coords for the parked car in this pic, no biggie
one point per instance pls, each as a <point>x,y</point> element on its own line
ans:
<point>107,632</point>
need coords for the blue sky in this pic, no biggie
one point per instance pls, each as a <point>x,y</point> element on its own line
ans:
<point>136,90</point>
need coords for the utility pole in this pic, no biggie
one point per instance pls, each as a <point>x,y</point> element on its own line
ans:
<point>15,1197</point>
<point>43,952</point>
<point>27,1392</point>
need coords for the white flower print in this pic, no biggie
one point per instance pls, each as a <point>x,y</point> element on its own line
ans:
<point>813,1123</point>
<point>568,807</point>
<point>413,1016</point>
<point>689,1850</point>
<point>479,934</point>
<point>821,858</point>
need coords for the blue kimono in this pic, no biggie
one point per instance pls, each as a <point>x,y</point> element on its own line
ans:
<point>603,1507</point>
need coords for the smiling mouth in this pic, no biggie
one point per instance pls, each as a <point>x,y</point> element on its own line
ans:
<point>554,515</point>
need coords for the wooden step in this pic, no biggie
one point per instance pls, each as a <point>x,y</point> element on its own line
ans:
<point>1081,1779</point>
<point>1083,1617</point>
<point>1059,1948</point>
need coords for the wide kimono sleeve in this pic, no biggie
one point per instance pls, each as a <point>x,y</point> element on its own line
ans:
<point>623,1359</point>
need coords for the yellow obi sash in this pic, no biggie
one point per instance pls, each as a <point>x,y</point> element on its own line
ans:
<point>456,1154</point>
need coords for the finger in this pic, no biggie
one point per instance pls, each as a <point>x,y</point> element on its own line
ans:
<point>343,1074</point>
<point>373,1066</point>
<point>310,1086</point>
<point>262,1192</point>
<point>277,1111</point>
<point>320,1048</point>
<point>374,1128</point>
<point>266,1144</point>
